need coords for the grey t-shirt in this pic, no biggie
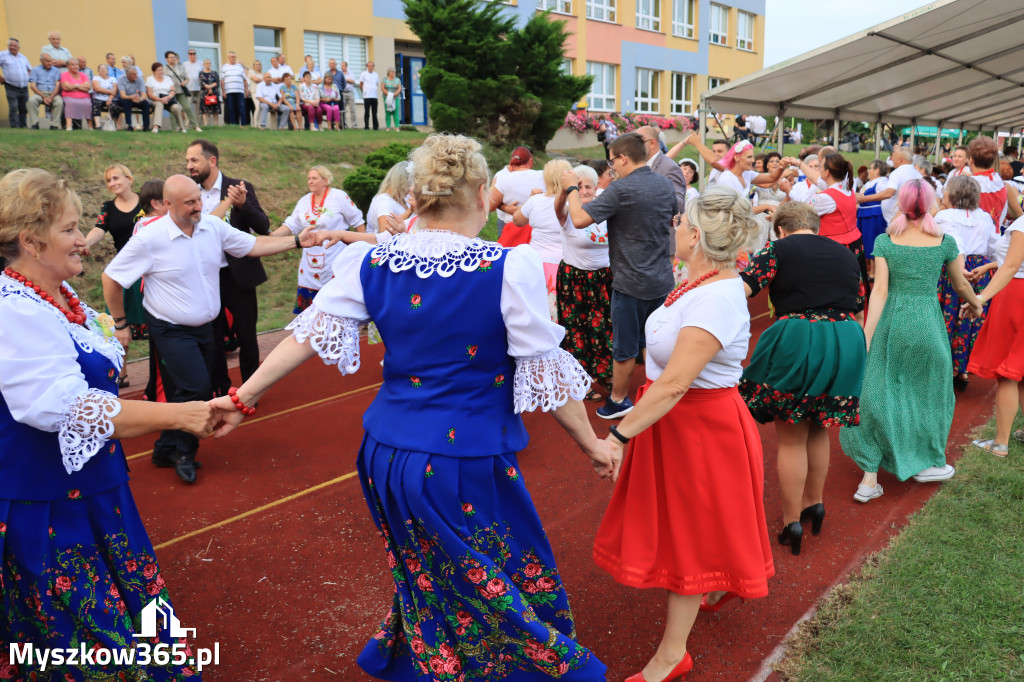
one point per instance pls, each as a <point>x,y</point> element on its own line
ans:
<point>127,88</point>
<point>639,210</point>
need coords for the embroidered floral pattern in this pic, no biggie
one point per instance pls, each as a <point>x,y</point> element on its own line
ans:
<point>766,404</point>
<point>820,316</point>
<point>499,381</point>
<point>471,351</point>
<point>485,265</point>
<point>451,435</point>
<point>585,310</point>
<point>415,301</point>
<point>416,382</point>
<point>962,332</point>
<point>761,269</point>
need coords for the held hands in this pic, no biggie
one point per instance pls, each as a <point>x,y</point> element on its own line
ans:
<point>226,417</point>
<point>197,418</point>
<point>790,161</point>
<point>393,223</point>
<point>123,336</point>
<point>324,238</point>
<point>972,310</point>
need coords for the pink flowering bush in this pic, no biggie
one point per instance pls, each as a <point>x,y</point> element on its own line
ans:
<point>580,123</point>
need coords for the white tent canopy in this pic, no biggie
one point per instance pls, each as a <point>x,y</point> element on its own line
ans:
<point>951,63</point>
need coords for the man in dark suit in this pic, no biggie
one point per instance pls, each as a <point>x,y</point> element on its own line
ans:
<point>662,165</point>
<point>236,199</point>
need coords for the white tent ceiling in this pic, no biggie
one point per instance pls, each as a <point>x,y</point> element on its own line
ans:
<point>952,63</point>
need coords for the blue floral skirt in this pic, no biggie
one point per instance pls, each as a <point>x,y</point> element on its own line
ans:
<point>962,333</point>
<point>303,299</point>
<point>477,592</point>
<point>79,570</point>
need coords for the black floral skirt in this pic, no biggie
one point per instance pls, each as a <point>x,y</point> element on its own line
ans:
<point>585,310</point>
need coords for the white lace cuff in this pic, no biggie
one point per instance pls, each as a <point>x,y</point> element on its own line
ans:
<point>335,339</point>
<point>548,381</point>
<point>86,427</point>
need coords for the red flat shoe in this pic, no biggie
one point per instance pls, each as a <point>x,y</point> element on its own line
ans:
<point>711,608</point>
<point>681,670</point>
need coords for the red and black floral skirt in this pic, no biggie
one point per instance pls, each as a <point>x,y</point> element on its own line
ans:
<point>687,514</point>
<point>477,593</point>
<point>962,333</point>
<point>585,310</point>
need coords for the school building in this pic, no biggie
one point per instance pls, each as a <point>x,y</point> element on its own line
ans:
<point>651,56</point>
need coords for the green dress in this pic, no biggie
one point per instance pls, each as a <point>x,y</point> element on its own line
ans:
<point>906,407</point>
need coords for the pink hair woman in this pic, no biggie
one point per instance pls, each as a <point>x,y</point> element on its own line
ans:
<point>906,406</point>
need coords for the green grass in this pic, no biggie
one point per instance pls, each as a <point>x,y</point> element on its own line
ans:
<point>944,601</point>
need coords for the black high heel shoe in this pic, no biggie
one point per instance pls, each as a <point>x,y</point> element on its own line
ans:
<point>816,513</point>
<point>792,535</point>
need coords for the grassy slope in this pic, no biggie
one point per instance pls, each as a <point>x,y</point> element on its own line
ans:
<point>943,601</point>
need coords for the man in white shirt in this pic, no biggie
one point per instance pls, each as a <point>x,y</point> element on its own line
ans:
<point>59,55</point>
<point>269,97</point>
<point>235,86</point>
<point>348,97</point>
<point>277,71</point>
<point>805,190</point>
<point>181,255</point>
<point>369,83</point>
<point>903,171</point>
<point>193,67</point>
<point>15,67</point>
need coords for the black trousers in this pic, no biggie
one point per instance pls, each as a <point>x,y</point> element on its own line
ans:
<point>17,105</point>
<point>186,355</point>
<point>370,104</point>
<point>244,310</point>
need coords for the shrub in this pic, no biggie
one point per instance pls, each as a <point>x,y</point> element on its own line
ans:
<point>362,185</point>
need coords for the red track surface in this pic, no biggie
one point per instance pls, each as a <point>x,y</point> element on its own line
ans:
<point>293,589</point>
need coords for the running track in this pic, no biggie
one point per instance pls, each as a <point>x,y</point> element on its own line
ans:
<point>273,555</point>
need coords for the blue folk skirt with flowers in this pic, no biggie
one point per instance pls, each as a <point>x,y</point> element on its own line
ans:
<point>79,571</point>
<point>477,593</point>
<point>962,333</point>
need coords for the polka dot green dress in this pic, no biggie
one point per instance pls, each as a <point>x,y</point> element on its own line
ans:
<point>906,407</point>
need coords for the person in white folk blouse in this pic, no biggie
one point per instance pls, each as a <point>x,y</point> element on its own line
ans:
<point>326,209</point>
<point>181,255</point>
<point>392,199</point>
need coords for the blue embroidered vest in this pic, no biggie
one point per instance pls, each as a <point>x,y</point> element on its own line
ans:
<point>30,459</point>
<point>448,377</point>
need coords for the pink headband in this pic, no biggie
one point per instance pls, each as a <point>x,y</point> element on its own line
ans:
<point>729,160</point>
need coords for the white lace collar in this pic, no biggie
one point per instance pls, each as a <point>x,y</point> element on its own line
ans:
<point>435,252</point>
<point>88,339</point>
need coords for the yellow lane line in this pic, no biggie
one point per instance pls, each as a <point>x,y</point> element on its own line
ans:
<point>758,317</point>
<point>249,422</point>
<point>269,505</point>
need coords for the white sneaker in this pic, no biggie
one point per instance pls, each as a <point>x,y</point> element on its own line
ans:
<point>934,474</point>
<point>866,494</point>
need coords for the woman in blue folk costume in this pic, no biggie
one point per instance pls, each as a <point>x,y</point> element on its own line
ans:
<point>76,565</point>
<point>470,345</point>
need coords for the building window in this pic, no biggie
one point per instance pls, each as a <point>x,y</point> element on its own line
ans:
<point>327,46</point>
<point>602,91</point>
<point>745,31</point>
<point>204,38</point>
<point>715,82</point>
<point>647,91</point>
<point>567,66</point>
<point>560,6</point>
<point>683,14</point>
<point>602,10</point>
<point>682,94</point>
<point>266,44</point>
<point>719,25</point>
<point>648,14</point>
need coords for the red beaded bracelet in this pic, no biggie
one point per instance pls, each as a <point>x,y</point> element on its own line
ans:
<point>248,411</point>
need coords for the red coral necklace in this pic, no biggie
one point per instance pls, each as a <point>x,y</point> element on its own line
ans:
<point>77,313</point>
<point>686,285</point>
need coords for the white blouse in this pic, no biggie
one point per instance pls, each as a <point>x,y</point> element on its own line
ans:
<point>999,245</point>
<point>729,179</point>
<point>970,229</point>
<point>382,205</point>
<point>719,308</point>
<point>546,376</point>
<point>585,249</point>
<point>40,379</point>
<point>338,212</point>
<point>546,232</point>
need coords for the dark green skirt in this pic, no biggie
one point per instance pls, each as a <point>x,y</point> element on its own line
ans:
<point>807,367</point>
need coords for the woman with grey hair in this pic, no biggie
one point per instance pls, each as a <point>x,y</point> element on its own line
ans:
<point>962,218</point>
<point>584,289</point>
<point>392,199</point>
<point>696,471</point>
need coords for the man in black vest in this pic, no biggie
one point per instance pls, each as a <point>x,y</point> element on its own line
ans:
<point>235,201</point>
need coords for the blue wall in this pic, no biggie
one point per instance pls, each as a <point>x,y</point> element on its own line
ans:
<point>170,28</point>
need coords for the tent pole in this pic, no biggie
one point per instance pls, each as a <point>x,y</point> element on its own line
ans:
<point>960,136</point>
<point>913,131</point>
<point>938,143</point>
<point>835,130</point>
<point>782,129</point>
<point>703,131</point>
<point>878,138</point>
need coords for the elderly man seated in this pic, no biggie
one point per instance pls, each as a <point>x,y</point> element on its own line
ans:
<point>44,84</point>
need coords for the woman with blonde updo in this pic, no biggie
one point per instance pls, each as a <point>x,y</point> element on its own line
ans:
<point>696,471</point>
<point>72,545</point>
<point>546,226</point>
<point>477,592</point>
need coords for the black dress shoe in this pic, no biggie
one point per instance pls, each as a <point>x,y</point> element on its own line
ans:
<point>167,462</point>
<point>186,470</point>
<point>816,514</point>
<point>960,383</point>
<point>792,535</point>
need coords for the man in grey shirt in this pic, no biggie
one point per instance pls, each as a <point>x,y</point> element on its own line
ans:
<point>638,207</point>
<point>131,92</point>
<point>662,165</point>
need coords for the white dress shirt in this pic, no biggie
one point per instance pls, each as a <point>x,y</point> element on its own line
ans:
<point>897,178</point>
<point>270,92</point>
<point>182,273</point>
<point>369,81</point>
<point>211,197</point>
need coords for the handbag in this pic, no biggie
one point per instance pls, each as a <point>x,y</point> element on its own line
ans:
<point>210,100</point>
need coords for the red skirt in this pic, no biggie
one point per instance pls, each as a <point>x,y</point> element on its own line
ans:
<point>999,351</point>
<point>687,514</point>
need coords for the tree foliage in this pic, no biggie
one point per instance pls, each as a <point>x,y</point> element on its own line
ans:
<point>487,78</point>
<point>362,185</point>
